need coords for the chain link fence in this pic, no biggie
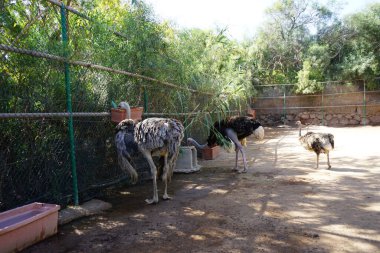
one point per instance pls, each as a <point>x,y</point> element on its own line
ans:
<point>338,104</point>
<point>37,156</point>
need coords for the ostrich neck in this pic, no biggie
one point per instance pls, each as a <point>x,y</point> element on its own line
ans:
<point>196,144</point>
<point>300,131</point>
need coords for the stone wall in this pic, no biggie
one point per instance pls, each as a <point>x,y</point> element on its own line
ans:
<point>318,118</point>
<point>344,109</point>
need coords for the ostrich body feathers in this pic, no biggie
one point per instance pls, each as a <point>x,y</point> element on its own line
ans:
<point>317,142</point>
<point>243,126</point>
<point>150,137</point>
<point>157,133</point>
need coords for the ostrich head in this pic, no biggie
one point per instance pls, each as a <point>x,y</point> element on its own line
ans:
<point>126,106</point>
<point>127,125</point>
<point>299,124</point>
<point>258,130</point>
<point>259,133</point>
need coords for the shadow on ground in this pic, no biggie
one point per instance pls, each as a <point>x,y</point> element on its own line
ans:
<point>282,204</point>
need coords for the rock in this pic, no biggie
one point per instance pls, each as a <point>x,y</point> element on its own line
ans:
<point>334,122</point>
<point>91,207</point>
<point>375,119</point>
<point>353,122</point>
<point>290,117</point>
<point>343,121</point>
<point>364,121</point>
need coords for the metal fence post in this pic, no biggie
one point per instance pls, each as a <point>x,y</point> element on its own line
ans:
<point>323,111</point>
<point>364,105</point>
<point>69,108</point>
<point>284,105</point>
<point>145,101</point>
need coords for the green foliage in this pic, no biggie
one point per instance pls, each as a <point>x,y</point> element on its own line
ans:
<point>305,84</point>
<point>361,56</point>
<point>301,42</point>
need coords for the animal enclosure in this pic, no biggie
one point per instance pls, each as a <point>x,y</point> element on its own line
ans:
<point>57,89</point>
<point>282,204</point>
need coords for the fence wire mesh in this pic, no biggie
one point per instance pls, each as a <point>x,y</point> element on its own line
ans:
<point>35,162</point>
<point>339,103</point>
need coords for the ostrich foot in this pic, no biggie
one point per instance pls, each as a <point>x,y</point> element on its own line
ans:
<point>151,201</point>
<point>242,171</point>
<point>166,197</point>
<point>235,169</point>
<point>329,167</point>
<point>134,177</point>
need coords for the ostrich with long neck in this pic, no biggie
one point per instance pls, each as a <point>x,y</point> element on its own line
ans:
<point>151,137</point>
<point>317,142</point>
<point>235,129</point>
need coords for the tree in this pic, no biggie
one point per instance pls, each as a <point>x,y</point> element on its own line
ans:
<point>361,56</point>
<point>284,40</point>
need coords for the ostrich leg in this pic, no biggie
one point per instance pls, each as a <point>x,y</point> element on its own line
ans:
<point>232,135</point>
<point>317,161</point>
<point>328,160</point>
<point>165,177</point>
<point>147,154</point>
<point>236,159</point>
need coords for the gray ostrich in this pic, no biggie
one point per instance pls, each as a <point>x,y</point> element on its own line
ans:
<point>235,129</point>
<point>317,142</point>
<point>151,137</point>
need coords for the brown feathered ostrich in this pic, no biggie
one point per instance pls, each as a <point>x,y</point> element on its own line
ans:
<point>234,129</point>
<point>317,142</point>
<point>152,137</point>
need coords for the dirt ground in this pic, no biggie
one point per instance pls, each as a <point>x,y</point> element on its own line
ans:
<point>282,204</point>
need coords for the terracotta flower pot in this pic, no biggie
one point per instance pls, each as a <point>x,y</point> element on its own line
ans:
<point>210,153</point>
<point>136,113</point>
<point>251,112</point>
<point>119,114</point>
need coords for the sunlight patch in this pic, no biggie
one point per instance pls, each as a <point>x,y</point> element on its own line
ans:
<point>139,216</point>
<point>78,232</point>
<point>198,237</point>
<point>111,225</point>
<point>192,212</point>
<point>190,186</point>
<point>218,191</point>
<point>373,207</point>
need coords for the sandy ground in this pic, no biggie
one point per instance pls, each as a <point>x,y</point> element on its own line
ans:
<point>282,204</point>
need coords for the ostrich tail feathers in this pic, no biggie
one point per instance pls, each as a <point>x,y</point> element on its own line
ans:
<point>127,167</point>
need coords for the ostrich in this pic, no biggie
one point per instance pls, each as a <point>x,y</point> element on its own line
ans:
<point>234,129</point>
<point>317,142</point>
<point>151,137</point>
